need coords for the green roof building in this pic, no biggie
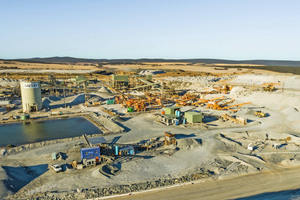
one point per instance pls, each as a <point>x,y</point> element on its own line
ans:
<point>120,78</point>
<point>120,81</point>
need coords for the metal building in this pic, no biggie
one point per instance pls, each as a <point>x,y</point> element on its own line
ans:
<point>31,96</point>
<point>120,81</point>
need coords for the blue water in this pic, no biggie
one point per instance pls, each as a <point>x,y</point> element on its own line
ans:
<point>45,130</point>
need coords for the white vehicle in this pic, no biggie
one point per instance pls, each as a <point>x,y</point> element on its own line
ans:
<point>56,168</point>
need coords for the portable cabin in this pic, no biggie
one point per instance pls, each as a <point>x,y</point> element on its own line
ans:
<point>90,153</point>
<point>193,117</point>
<point>126,151</point>
<point>171,110</point>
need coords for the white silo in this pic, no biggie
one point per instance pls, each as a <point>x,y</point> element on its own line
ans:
<point>31,96</point>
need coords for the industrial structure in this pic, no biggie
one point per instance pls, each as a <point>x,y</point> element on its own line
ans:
<point>129,109</point>
<point>31,96</point>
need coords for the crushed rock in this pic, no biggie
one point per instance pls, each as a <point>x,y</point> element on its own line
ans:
<point>187,143</point>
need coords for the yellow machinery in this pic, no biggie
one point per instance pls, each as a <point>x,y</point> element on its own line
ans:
<point>235,108</point>
<point>238,120</point>
<point>96,103</point>
<point>200,102</point>
<point>269,88</point>
<point>213,103</point>
<point>170,138</point>
<point>74,164</point>
<point>216,105</point>
<point>260,114</point>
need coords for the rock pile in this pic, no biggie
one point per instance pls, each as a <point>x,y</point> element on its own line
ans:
<point>117,189</point>
<point>4,82</point>
<point>188,143</point>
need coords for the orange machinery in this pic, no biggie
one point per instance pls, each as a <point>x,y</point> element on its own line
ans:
<point>238,106</point>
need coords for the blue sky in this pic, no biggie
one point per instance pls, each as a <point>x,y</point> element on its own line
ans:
<point>224,29</point>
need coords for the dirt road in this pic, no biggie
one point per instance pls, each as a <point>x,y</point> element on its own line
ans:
<point>244,186</point>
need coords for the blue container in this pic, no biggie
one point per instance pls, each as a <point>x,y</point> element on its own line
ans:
<point>90,153</point>
<point>131,152</point>
<point>117,150</point>
<point>176,122</point>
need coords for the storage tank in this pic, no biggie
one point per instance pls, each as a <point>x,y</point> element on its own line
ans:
<point>31,96</point>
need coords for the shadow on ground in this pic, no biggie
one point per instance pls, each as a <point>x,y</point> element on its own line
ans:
<point>21,176</point>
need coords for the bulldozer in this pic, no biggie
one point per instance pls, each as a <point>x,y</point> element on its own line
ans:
<point>260,114</point>
<point>269,88</point>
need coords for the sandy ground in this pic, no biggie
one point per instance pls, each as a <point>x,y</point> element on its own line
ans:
<point>270,185</point>
<point>45,66</point>
<point>60,71</point>
<point>23,67</point>
<point>206,68</point>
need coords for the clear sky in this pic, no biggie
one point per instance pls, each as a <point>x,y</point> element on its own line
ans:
<point>224,29</point>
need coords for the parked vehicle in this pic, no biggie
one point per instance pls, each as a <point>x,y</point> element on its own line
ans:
<point>56,168</point>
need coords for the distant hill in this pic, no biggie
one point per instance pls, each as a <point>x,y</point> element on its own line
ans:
<point>286,63</point>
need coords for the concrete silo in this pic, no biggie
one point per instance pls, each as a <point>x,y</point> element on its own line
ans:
<point>31,96</point>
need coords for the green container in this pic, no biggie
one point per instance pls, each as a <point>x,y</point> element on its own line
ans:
<point>109,102</point>
<point>193,117</point>
<point>149,77</point>
<point>130,109</point>
<point>171,110</point>
<point>54,157</point>
<point>25,117</point>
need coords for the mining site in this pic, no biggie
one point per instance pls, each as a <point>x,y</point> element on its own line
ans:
<point>100,130</point>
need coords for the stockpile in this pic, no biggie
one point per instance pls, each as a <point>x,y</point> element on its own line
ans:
<point>292,83</point>
<point>117,189</point>
<point>104,90</point>
<point>196,83</point>
<point>187,143</point>
<point>236,91</point>
<point>6,82</point>
<point>252,79</point>
<point>292,115</point>
<point>194,79</point>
